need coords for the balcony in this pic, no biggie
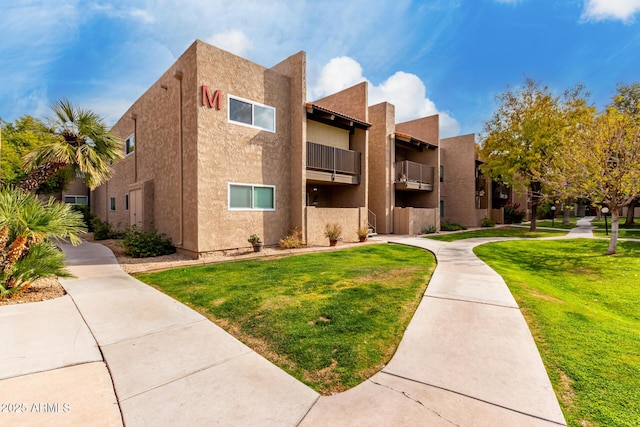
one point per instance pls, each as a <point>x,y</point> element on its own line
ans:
<point>412,176</point>
<point>331,164</point>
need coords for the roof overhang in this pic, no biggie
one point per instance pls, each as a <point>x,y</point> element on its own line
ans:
<point>408,140</point>
<point>333,118</point>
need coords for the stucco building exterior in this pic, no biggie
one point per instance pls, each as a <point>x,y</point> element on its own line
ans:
<point>403,172</point>
<point>220,148</point>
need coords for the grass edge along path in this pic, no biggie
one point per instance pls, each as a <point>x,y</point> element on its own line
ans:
<point>505,231</point>
<point>581,307</point>
<point>330,319</point>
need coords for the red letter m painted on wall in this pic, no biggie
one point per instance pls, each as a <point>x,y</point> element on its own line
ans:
<point>211,100</point>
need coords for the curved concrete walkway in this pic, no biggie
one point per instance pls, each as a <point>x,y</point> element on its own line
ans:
<point>467,358</point>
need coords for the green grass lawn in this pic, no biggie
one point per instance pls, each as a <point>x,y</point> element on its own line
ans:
<point>519,232</point>
<point>582,308</point>
<point>557,223</point>
<point>330,319</point>
<point>628,231</point>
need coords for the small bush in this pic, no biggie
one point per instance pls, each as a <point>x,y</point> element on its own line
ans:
<point>293,239</point>
<point>451,226</point>
<point>139,243</point>
<point>333,231</point>
<point>513,215</point>
<point>486,222</point>
<point>429,230</point>
<point>102,230</point>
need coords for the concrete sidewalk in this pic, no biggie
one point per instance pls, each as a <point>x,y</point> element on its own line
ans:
<point>467,358</point>
<point>583,228</point>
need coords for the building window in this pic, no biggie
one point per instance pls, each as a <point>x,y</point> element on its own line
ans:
<point>76,200</point>
<point>252,197</point>
<point>252,114</point>
<point>441,173</point>
<point>126,202</point>
<point>130,144</point>
<point>112,203</point>
<point>441,208</point>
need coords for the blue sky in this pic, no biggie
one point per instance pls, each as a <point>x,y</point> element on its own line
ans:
<point>435,56</point>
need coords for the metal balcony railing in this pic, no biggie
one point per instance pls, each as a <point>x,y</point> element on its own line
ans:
<point>408,171</point>
<point>331,159</point>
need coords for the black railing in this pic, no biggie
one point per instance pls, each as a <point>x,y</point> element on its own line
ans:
<point>331,159</point>
<point>408,171</point>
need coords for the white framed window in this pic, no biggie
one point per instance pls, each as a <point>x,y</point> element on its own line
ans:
<point>253,114</point>
<point>76,200</point>
<point>130,144</point>
<point>250,197</point>
<point>112,203</point>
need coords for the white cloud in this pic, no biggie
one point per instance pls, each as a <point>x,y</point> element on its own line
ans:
<point>339,73</point>
<point>407,92</point>
<point>601,10</point>
<point>235,41</point>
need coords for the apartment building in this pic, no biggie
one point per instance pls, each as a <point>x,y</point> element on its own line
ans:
<point>220,148</point>
<point>404,172</point>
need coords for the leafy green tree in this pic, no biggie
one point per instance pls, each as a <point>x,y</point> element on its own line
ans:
<point>524,133</point>
<point>601,161</point>
<point>82,142</point>
<point>27,226</point>
<point>19,138</point>
<point>628,100</point>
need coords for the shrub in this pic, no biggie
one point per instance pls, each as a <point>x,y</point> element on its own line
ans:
<point>254,239</point>
<point>293,240</point>
<point>139,243</point>
<point>451,226</point>
<point>363,232</point>
<point>429,230</point>
<point>26,227</point>
<point>486,222</point>
<point>102,230</point>
<point>512,215</point>
<point>333,231</point>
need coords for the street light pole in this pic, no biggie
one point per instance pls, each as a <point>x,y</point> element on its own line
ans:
<point>553,216</point>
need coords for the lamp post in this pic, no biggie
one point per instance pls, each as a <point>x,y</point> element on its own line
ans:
<point>553,216</point>
<point>605,211</point>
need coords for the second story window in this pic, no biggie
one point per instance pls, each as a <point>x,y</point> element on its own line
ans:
<point>252,114</point>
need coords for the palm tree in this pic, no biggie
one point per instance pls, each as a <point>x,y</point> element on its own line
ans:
<point>82,142</point>
<point>27,226</point>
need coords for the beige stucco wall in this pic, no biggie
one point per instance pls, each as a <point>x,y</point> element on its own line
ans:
<point>191,152</point>
<point>425,128</point>
<point>351,102</point>
<point>414,220</point>
<point>458,186</point>
<point>155,120</point>
<point>350,219</point>
<point>234,153</point>
<point>381,158</point>
<point>327,135</point>
<point>295,68</point>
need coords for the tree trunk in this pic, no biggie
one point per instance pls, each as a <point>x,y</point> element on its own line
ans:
<point>630,211</point>
<point>536,188</point>
<point>566,212</point>
<point>613,242</point>
<point>40,175</point>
